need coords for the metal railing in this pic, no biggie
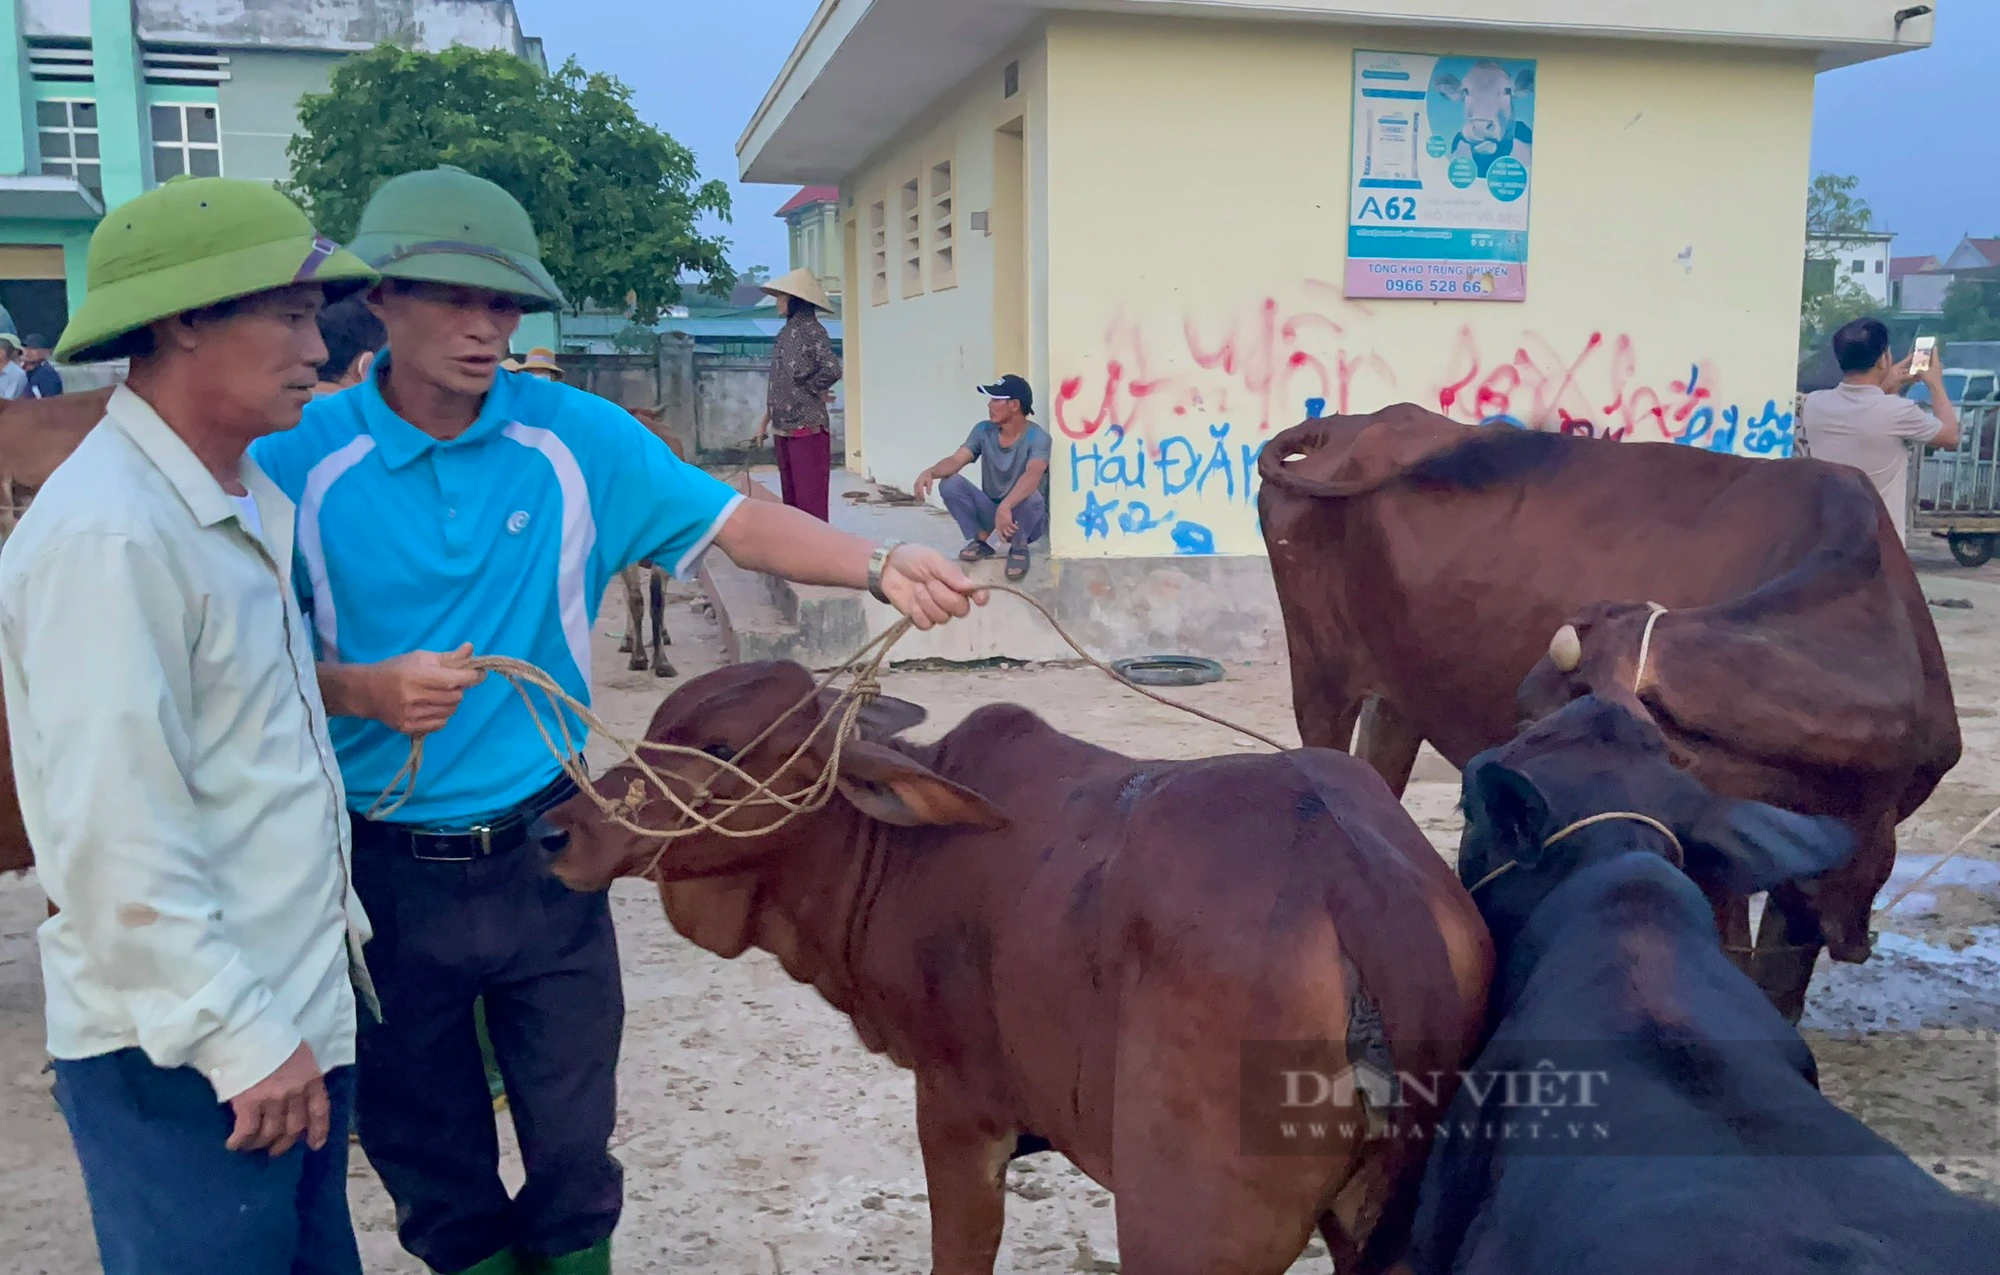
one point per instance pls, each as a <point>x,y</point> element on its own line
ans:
<point>1963,482</point>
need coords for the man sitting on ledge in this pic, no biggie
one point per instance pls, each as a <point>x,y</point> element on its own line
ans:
<point>1013,494</point>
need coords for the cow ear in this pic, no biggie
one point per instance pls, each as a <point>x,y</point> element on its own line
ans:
<point>1758,847</point>
<point>1524,80</point>
<point>883,717</point>
<point>883,784</point>
<point>1450,88</point>
<point>1509,806</point>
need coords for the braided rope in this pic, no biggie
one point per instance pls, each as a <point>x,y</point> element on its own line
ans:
<point>695,815</point>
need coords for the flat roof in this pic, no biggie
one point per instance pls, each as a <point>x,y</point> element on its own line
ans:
<point>863,69</point>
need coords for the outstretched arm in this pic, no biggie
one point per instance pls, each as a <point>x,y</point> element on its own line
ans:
<point>765,536</point>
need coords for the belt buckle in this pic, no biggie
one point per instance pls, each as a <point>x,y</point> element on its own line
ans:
<point>480,834</point>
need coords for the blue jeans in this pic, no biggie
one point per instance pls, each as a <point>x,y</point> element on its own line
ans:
<point>167,1197</point>
<point>975,512</point>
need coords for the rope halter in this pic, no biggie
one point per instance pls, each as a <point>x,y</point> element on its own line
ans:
<point>1679,856</point>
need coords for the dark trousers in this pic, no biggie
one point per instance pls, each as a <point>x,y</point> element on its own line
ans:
<point>545,961</point>
<point>168,1197</point>
<point>805,468</point>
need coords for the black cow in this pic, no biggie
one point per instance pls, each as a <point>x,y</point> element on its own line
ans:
<point>1693,1137</point>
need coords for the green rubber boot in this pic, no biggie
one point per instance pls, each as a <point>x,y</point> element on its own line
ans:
<point>595,1260</point>
<point>494,1084</point>
<point>505,1262</point>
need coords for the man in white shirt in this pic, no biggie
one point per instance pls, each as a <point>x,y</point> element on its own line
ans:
<point>1865,422</point>
<point>13,377</point>
<point>172,757</point>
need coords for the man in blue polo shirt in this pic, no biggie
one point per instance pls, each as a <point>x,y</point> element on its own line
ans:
<point>446,508</point>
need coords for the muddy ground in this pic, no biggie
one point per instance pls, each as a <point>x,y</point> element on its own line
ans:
<point>758,1137</point>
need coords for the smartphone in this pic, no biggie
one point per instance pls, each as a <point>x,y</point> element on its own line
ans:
<point>1920,358</point>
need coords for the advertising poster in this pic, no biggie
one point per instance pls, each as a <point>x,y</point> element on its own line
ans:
<point>1443,166</point>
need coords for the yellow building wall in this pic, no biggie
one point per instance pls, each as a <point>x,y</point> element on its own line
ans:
<point>1197,185</point>
<point>914,360</point>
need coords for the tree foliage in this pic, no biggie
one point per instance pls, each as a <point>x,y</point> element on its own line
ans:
<point>615,201</point>
<point>1837,219</point>
<point>1971,311</point>
<point>1833,210</point>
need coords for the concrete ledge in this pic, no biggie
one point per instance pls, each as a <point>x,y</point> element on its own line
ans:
<point>1225,608</point>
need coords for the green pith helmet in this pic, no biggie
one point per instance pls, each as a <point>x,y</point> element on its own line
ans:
<point>444,225</point>
<point>195,242</point>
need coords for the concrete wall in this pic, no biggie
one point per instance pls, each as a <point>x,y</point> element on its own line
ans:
<point>332,24</point>
<point>259,107</point>
<point>712,402</point>
<point>912,361</point>
<point>1198,207</point>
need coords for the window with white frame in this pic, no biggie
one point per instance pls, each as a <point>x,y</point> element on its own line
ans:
<point>187,138</point>
<point>68,128</point>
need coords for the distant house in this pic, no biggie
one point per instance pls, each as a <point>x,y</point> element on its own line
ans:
<point>1923,291</point>
<point>813,217</point>
<point>1862,260</point>
<point>1914,285</point>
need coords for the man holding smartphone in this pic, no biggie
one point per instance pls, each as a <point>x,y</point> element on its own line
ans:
<point>1865,422</point>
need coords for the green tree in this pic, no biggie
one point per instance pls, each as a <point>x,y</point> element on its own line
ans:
<point>1971,311</point>
<point>755,274</point>
<point>1833,210</point>
<point>1837,219</point>
<point>616,201</point>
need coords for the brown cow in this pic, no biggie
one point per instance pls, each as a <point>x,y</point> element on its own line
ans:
<point>1081,953</point>
<point>36,435</point>
<point>1423,566</point>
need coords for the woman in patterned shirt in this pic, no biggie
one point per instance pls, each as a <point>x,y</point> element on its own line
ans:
<point>804,369</point>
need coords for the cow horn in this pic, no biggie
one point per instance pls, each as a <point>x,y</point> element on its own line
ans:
<point>1566,649</point>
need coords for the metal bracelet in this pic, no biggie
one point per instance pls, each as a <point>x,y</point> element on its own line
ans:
<point>877,563</point>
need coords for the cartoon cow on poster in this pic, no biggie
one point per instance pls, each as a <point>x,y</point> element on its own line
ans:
<point>1491,128</point>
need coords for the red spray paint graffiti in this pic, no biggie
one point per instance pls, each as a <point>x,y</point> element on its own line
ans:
<point>1254,370</point>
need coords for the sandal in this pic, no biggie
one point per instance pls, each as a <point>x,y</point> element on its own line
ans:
<point>975,551</point>
<point>1017,562</point>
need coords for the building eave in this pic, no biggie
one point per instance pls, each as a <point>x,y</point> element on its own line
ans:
<point>34,197</point>
<point>863,69</point>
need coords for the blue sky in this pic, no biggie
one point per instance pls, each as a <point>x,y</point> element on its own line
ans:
<point>698,69</point>
<point>1917,129</point>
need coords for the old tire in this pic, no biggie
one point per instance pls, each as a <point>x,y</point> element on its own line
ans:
<point>1169,670</point>
<point>1972,551</point>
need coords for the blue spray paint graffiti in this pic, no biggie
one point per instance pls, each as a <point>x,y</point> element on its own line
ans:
<point>1114,471</point>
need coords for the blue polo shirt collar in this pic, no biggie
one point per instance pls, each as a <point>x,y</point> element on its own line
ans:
<point>400,443</point>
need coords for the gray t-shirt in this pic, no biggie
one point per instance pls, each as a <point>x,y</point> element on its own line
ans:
<point>1001,467</point>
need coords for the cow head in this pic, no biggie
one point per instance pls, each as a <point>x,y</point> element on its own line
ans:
<point>706,879</point>
<point>1487,93</point>
<point>1595,757</point>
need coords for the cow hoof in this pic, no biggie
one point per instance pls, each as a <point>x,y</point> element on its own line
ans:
<point>637,665</point>
<point>664,669</point>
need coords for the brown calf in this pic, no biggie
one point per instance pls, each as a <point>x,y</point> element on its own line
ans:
<point>1079,950</point>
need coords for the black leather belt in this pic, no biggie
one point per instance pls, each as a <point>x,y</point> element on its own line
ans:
<point>496,835</point>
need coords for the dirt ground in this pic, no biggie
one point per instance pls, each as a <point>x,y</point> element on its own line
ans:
<point>759,1138</point>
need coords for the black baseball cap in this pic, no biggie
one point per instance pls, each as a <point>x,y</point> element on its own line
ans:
<point>36,341</point>
<point>1014,387</point>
